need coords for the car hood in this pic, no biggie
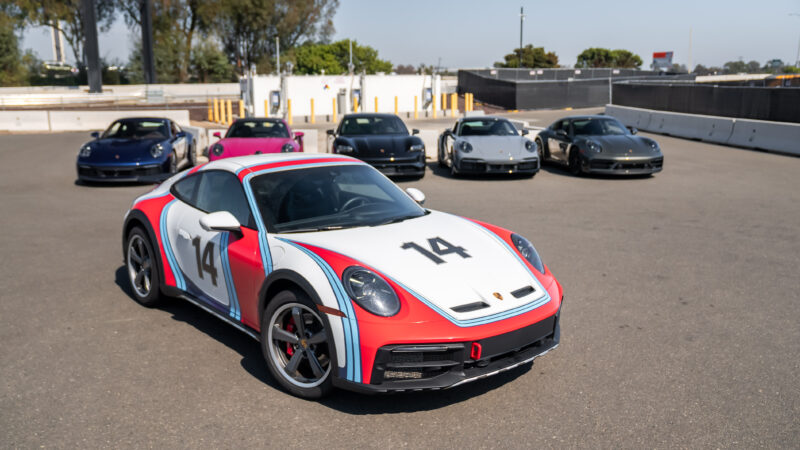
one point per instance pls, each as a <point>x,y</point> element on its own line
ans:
<point>497,147</point>
<point>248,146</point>
<point>621,144</point>
<point>121,150</point>
<point>383,145</point>
<point>491,268</point>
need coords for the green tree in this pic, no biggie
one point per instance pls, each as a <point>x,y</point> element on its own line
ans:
<point>12,70</point>
<point>625,59</point>
<point>603,57</point>
<point>210,65</point>
<point>333,58</point>
<point>732,67</point>
<point>533,57</point>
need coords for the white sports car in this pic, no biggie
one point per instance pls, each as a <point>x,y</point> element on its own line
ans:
<point>345,279</point>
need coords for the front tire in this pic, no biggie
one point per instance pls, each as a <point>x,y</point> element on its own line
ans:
<point>140,261</point>
<point>295,341</point>
<point>575,163</point>
<point>192,156</point>
<point>540,149</point>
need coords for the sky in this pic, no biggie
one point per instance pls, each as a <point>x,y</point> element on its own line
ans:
<point>473,33</point>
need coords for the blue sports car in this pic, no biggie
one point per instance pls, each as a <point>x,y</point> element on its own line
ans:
<point>136,149</point>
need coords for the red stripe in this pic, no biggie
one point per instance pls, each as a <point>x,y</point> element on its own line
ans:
<point>293,162</point>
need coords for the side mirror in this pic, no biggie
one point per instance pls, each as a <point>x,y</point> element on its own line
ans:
<point>414,131</point>
<point>299,134</point>
<point>95,134</point>
<point>562,134</point>
<point>330,132</point>
<point>218,135</point>
<point>416,195</point>
<point>220,221</point>
<point>525,132</point>
<point>633,130</point>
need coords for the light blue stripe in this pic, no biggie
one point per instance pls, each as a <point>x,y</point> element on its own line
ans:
<point>176,271</point>
<point>226,269</point>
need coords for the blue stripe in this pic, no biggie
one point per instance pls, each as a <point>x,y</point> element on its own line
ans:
<point>226,269</point>
<point>350,323</point>
<point>176,270</point>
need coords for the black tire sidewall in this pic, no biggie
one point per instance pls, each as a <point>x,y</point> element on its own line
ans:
<point>280,299</point>
<point>574,162</point>
<point>154,296</point>
<point>192,155</point>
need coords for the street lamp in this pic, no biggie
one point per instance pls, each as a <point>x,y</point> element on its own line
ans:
<point>797,58</point>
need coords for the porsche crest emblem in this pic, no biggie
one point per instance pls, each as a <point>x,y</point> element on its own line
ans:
<point>383,151</point>
<point>116,156</point>
<point>498,296</point>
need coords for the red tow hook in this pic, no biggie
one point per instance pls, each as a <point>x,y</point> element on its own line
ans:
<point>475,351</point>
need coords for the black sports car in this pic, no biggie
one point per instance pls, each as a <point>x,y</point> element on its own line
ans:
<point>381,140</point>
<point>599,144</point>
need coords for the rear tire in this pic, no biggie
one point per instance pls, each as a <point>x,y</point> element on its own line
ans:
<point>299,357</point>
<point>192,156</point>
<point>142,268</point>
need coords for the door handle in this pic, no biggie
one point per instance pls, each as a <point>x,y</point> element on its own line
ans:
<point>184,234</point>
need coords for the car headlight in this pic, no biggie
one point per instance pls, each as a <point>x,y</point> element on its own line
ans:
<point>528,251</point>
<point>86,151</point>
<point>370,291</point>
<point>416,148</point>
<point>287,148</point>
<point>531,146</point>
<point>594,146</point>
<point>653,145</point>
<point>465,147</point>
<point>342,148</point>
<point>217,149</point>
<point>157,150</point>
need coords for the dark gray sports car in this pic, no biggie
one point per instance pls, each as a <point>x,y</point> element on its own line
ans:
<point>599,144</point>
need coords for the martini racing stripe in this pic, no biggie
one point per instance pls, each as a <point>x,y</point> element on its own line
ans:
<point>173,263</point>
<point>233,300</point>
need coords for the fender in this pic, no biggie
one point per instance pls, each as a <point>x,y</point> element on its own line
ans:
<point>139,216</point>
<point>284,275</point>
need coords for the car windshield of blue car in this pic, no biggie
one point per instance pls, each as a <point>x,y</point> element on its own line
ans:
<point>360,126</point>
<point>598,127</point>
<point>329,198</point>
<point>487,127</point>
<point>258,129</point>
<point>137,129</point>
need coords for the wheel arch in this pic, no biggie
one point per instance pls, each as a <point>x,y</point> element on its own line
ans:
<point>280,280</point>
<point>137,218</point>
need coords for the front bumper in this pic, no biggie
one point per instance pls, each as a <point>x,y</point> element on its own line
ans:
<point>417,367</point>
<point>478,166</point>
<point>624,165</point>
<point>398,167</point>
<point>127,173</point>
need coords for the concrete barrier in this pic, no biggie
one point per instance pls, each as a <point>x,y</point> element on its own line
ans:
<point>781,137</point>
<point>24,121</point>
<point>100,120</point>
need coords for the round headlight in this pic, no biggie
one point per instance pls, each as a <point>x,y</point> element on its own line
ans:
<point>465,147</point>
<point>217,149</point>
<point>157,150</point>
<point>653,145</point>
<point>370,291</point>
<point>528,251</point>
<point>86,150</point>
<point>595,147</point>
<point>341,148</point>
<point>287,148</point>
<point>416,148</point>
<point>531,146</point>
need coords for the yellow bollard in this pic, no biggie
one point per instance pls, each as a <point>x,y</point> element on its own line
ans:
<point>355,104</point>
<point>416,113</point>
<point>444,102</point>
<point>395,105</point>
<point>471,101</point>
<point>313,120</point>
<point>266,108</point>
<point>334,110</point>
<point>210,111</point>
<point>433,106</point>
<point>230,112</point>
<point>215,104</point>
<point>221,112</point>
<point>289,111</point>
<point>376,104</point>
<point>241,109</point>
<point>453,104</point>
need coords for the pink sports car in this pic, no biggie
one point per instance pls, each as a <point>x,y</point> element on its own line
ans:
<point>253,136</point>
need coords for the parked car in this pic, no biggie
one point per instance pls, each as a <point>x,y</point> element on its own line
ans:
<point>383,141</point>
<point>486,144</point>
<point>253,136</point>
<point>344,279</point>
<point>136,149</point>
<point>599,144</point>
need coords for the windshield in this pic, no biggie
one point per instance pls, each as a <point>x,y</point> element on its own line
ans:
<point>258,129</point>
<point>138,129</point>
<point>330,197</point>
<point>359,126</point>
<point>487,127</point>
<point>598,127</point>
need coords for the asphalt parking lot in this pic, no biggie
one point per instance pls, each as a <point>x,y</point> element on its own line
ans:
<point>680,322</point>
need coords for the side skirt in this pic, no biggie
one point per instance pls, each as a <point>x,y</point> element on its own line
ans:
<point>191,299</point>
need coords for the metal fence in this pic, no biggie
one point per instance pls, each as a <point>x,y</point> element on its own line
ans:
<point>778,104</point>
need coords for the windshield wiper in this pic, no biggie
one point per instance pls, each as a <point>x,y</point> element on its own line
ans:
<point>394,220</point>
<point>321,228</point>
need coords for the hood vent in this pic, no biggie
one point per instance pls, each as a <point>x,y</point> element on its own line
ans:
<point>522,292</point>
<point>470,307</point>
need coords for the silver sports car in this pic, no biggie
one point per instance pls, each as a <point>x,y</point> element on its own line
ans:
<point>487,145</point>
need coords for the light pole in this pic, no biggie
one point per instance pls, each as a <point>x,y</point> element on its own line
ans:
<point>797,58</point>
<point>521,19</point>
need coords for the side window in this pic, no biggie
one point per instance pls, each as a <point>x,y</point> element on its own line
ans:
<point>567,126</point>
<point>186,189</point>
<point>556,126</point>
<point>221,191</point>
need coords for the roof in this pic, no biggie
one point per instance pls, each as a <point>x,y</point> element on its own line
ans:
<point>238,163</point>
<point>369,115</point>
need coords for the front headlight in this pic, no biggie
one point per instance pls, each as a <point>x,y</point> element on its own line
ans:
<point>465,147</point>
<point>287,148</point>
<point>594,146</point>
<point>341,148</point>
<point>370,291</point>
<point>217,149</point>
<point>416,148</point>
<point>531,146</point>
<point>86,151</point>
<point>528,251</point>
<point>157,150</point>
<point>653,145</point>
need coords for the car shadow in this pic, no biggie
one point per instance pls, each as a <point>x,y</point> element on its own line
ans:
<point>343,401</point>
<point>444,172</point>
